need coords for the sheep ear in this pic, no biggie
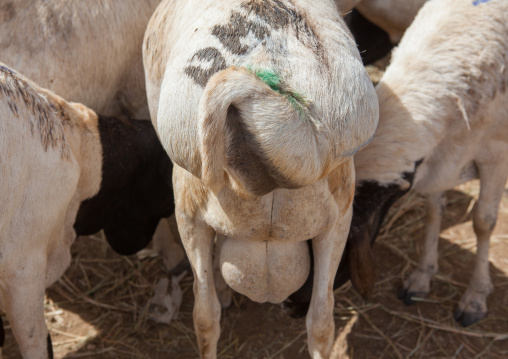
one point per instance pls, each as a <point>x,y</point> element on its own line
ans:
<point>405,185</point>
<point>362,266</point>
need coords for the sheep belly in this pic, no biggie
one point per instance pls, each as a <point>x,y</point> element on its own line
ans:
<point>265,271</point>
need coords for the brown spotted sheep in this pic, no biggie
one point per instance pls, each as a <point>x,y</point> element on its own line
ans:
<point>53,156</point>
<point>443,121</point>
<point>90,52</point>
<point>261,106</point>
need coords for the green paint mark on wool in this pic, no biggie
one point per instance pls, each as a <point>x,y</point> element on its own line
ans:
<point>273,80</point>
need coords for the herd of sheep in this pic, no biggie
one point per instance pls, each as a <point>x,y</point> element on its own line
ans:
<point>267,140</point>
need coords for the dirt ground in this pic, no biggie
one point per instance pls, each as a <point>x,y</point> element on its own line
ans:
<point>99,308</point>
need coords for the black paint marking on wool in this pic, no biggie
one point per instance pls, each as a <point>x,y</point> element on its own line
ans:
<point>239,27</point>
<point>200,75</point>
<point>268,16</point>
<point>281,14</point>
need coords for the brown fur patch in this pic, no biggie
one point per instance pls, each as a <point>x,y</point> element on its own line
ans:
<point>21,93</point>
<point>7,12</point>
<point>341,184</point>
<point>362,265</point>
<point>155,50</point>
<point>192,193</point>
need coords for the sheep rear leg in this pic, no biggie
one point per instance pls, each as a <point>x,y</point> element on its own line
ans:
<point>418,282</point>
<point>197,239</point>
<point>473,304</point>
<point>327,249</point>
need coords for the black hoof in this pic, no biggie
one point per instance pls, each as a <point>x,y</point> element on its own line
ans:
<point>184,265</point>
<point>295,310</point>
<point>402,293</point>
<point>405,296</point>
<point>468,318</point>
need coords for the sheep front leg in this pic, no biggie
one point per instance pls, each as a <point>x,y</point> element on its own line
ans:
<point>418,282</point>
<point>197,239</point>
<point>327,249</point>
<point>23,301</point>
<point>164,242</point>
<point>473,304</point>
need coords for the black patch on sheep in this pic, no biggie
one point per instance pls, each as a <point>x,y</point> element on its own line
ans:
<point>370,206</point>
<point>136,190</point>
<point>372,41</point>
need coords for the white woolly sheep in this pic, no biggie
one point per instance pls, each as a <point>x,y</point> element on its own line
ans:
<point>53,156</point>
<point>443,121</point>
<point>90,52</point>
<point>260,105</point>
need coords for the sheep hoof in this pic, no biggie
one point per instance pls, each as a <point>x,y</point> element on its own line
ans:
<point>295,310</point>
<point>473,305</point>
<point>408,297</point>
<point>468,318</point>
<point>184,265</point>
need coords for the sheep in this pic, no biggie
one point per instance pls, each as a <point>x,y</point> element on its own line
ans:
<point>261,106</point>
<point>91,53</point>
<point>442,102</point>
<point>443,110</point>
<point>53,156</point>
